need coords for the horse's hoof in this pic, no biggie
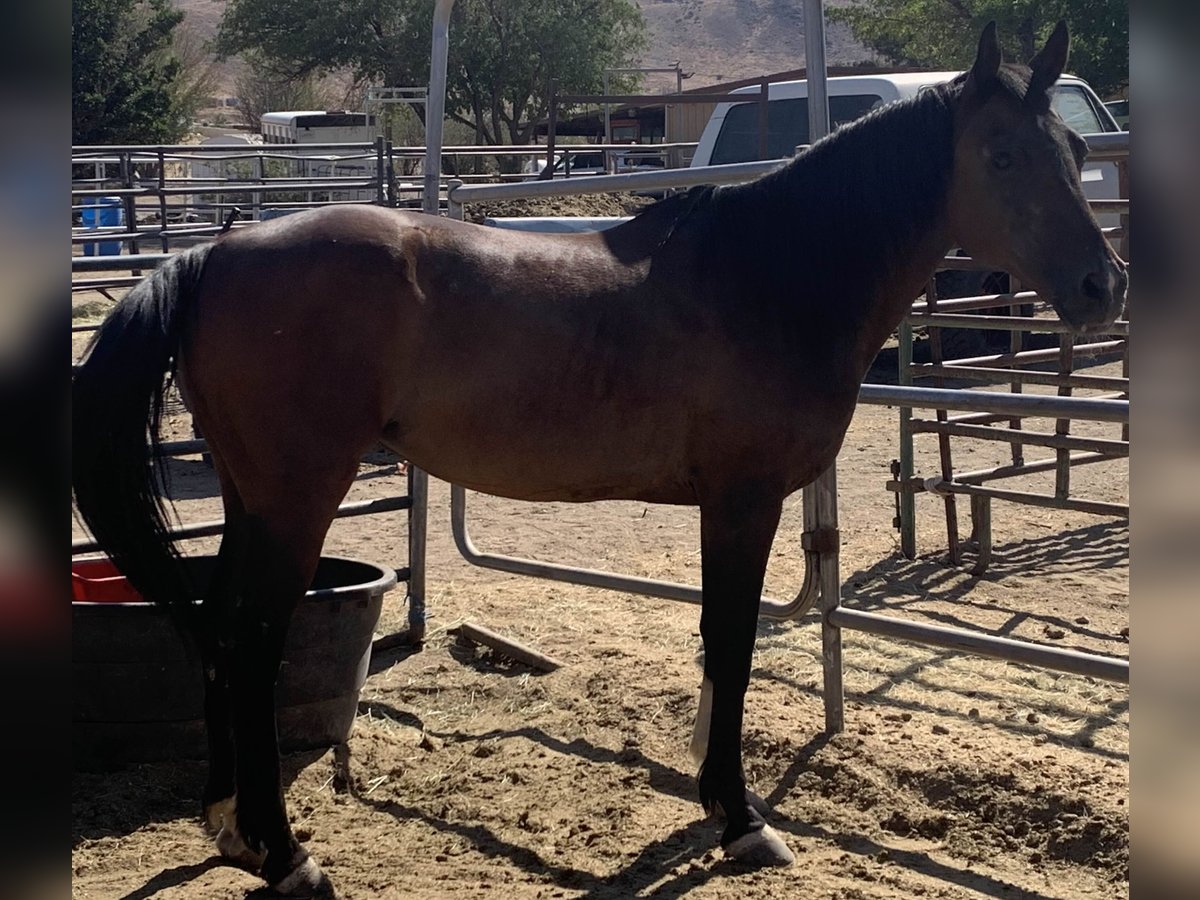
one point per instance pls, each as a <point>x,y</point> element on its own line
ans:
<point>305,880</point>
<point>220,818</point>
<point>761,848</point>
<point>231,846</point>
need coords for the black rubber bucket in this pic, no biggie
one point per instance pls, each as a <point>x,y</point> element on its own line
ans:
<point>137,687</point>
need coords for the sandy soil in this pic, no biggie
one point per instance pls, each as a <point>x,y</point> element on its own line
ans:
<point>471,776</point>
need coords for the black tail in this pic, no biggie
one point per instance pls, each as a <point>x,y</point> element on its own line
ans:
<point>117,403</point>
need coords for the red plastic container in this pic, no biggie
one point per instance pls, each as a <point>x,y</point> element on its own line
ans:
<point>99,581</point>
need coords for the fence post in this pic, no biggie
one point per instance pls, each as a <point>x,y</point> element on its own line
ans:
<point>551,129</point>
<point>418,520</point>
<point>380,172</point>
<point>258,197</point>
<point>1066,364</point>
<point>1016,343</point>
<point>947,465</point>
<point>820,517</point>
<point>130,203</point>
<point>393,187</point>
<point>162,201</point>
<point>906,499</point>
<point>764,90</point>
<point>454,209</point>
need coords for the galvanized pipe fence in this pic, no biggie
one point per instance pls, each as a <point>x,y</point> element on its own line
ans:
<point>172,195</point>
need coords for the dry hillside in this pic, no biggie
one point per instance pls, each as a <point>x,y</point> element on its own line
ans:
<point>717,40</point>
<point>725,40</point>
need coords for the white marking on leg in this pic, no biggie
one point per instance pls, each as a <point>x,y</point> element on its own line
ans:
<point>698,749</point>
<point>229,840</point>
<point>215,813</point>
<point>303,880</point>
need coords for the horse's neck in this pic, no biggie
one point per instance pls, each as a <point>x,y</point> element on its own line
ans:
<point>854,228</point>
<point>907,277</point>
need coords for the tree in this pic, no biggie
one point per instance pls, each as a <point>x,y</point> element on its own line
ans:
<point>197,78</point>
<point>505,55</point>
<point>124,76</point>
<point>944,33</point>
<point>261,87</point>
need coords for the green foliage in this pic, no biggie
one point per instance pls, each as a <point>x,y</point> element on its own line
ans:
<point>943,34</point>
<point>124,76</point>
<point>504,54</point>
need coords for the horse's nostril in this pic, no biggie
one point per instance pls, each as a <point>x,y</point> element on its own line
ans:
<point>1095,287</point>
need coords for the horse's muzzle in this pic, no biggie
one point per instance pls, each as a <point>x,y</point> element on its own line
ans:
<point>1093,304</point>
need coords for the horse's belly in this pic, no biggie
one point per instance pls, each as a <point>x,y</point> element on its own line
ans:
<point>664,452</point>
<point>566,463</point>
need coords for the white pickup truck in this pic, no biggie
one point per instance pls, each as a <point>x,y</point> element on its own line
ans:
<point>731,134</point>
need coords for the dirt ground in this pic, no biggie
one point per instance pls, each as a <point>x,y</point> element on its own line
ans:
<point>471,776</point>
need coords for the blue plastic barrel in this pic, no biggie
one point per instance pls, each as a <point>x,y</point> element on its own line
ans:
<point>105,212</point>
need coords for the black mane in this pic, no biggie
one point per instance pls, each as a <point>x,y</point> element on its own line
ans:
<point>850,206</point>
<point>1014,78</point>
<point>652,227</point>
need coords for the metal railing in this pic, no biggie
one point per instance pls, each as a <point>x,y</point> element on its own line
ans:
<point>172,193</point>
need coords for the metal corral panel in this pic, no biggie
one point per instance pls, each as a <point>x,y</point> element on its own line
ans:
<point>556,224</point>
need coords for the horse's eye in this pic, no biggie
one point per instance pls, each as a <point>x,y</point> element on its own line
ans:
<point>1001,159</point>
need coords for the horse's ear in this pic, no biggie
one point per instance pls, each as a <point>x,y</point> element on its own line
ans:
<point>1049,63</point>
<point>987,60</point>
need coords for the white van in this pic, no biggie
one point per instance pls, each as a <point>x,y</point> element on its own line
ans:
<point>731,134</point>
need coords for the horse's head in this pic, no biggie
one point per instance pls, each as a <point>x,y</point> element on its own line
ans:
<point>1016,201</point>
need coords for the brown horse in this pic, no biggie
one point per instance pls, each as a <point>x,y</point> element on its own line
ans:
<point>707,353</point>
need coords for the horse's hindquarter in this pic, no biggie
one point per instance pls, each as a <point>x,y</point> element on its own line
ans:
<point>285,356</point>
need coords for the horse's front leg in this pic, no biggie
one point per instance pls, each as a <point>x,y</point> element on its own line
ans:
<point>736,531</point>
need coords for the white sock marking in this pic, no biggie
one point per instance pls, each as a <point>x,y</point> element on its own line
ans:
<point>219,811</point>
<point>698,749</point>
<point>305,875</point>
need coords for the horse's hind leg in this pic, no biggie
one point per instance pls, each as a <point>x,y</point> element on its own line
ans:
<point>216,638</point>
<point>736,531</point>
<point>272,559</point>
<point>283,548</point>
